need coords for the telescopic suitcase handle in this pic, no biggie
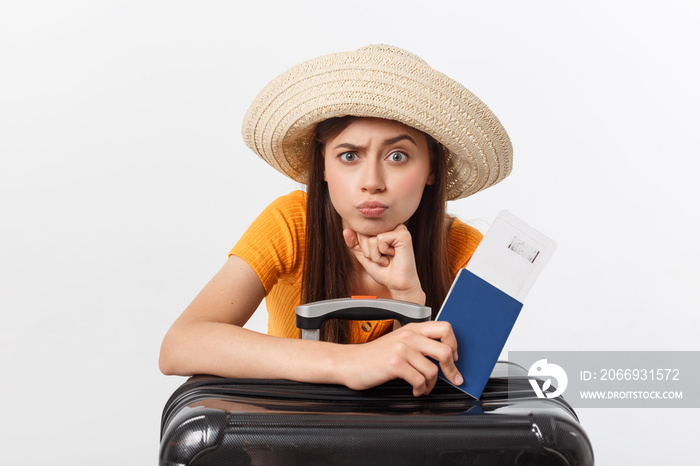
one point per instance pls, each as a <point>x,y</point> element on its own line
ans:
<point>311,317</point>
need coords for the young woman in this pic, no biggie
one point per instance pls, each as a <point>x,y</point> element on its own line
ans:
<point>382,141</point>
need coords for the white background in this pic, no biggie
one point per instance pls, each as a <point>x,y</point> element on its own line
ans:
<point>124,182</point>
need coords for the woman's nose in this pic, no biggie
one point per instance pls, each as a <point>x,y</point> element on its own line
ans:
<point>372,178</point>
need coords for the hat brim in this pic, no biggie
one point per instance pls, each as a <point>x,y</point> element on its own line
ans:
<point>381,82</point>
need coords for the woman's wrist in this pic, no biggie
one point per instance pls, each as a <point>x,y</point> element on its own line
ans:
<point>414,295</point>
<point>339,364</point>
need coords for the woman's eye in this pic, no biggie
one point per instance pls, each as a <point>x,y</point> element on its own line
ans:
<point>348,156</point>
<point>398,157</point>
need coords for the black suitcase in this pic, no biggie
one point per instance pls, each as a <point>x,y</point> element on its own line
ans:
<point>216,421</point>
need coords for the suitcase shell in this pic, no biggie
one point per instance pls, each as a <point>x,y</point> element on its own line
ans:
<point>217,421</point>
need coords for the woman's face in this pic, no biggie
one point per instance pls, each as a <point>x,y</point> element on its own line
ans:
<point>376,171</point>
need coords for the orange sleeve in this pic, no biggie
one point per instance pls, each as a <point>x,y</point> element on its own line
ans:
<point>463,240</point>
<point>273,245</point>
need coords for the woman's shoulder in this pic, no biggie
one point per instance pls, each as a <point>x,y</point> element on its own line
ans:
<point>284,217</point>
<point>462,231</point>
<point>273,245</point>
<point>290,207</point>
<point>295,200</point>
<point>463,240</point>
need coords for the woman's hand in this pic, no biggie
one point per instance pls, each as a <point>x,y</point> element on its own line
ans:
<point>388,258</point>
<point>403,354</point>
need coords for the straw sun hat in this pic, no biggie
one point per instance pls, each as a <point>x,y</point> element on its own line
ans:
<point>384,82</point>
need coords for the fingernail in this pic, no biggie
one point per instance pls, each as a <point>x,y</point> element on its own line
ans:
<point>459,380</point>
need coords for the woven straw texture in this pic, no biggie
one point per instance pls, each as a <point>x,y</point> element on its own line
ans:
<point>384,82</point>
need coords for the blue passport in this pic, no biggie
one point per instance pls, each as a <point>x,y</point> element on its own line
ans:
<point>482,317</point>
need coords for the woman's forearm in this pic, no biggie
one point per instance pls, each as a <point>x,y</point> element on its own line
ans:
<point>227,350</point>
<point>230,351</point>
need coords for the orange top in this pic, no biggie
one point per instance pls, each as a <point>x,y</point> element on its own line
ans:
<point>274,246</point>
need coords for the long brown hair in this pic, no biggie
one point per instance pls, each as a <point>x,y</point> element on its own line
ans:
<point>328,270</point>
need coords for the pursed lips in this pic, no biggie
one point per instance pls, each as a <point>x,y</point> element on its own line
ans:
<point>371,208</point>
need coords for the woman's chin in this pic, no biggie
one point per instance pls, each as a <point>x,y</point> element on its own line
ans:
<point>372,227</point>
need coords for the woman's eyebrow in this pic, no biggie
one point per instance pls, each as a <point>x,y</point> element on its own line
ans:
<point>401,137</point>
<point>388,142</point>
<point>347,145</point>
